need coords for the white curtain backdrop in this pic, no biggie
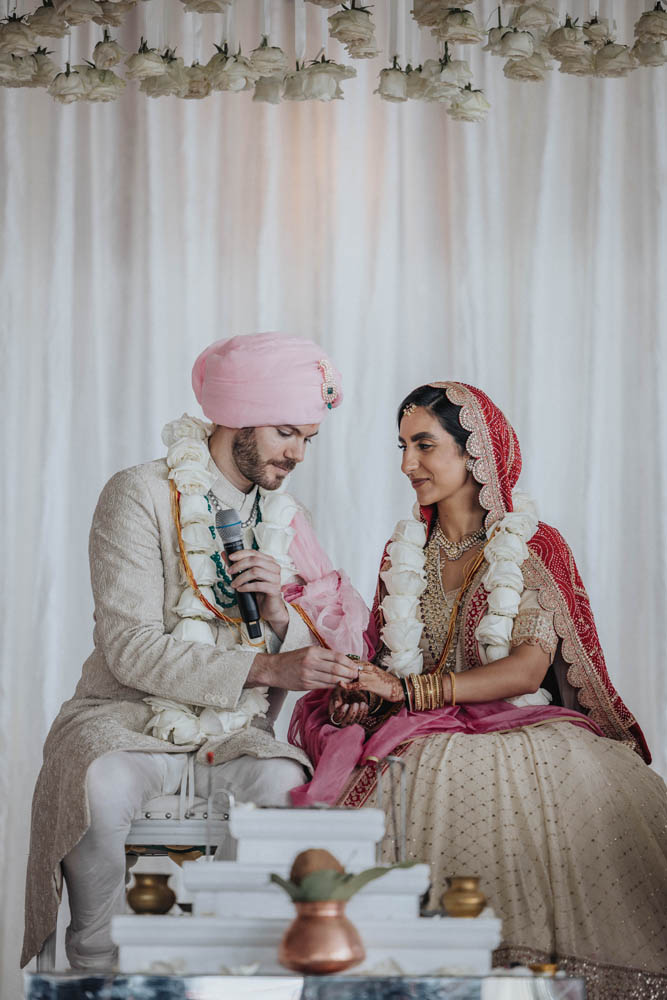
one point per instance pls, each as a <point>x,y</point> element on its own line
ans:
<point>526,255</point>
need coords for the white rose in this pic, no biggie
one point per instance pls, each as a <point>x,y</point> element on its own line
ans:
<point>504,601</point>
<point>650,53</point>
<point>173,721</point>
<point>76,11</point>
<point>402,635</point>
<point>197,538</point>
<point>194,509</point>
<point>363,50</point>
<point>232,73</point>
<point>523,503</point>
<point>104,85</point>
<point>111,12</point>
<point>206,6</point>
<point>395,606</point>
<point>107,54</point>
<point>567,41</point>
<point>278,509</point>
<point>274,541</point>
<point>416,84</point>
<point>428,13</point>
<point>219,722</point>
<point>294,87</point>
<point>268,90</point>
<point>269,60</point>
<point>403,555</point>
<point>198,83</point>
<point>321,83</point>
<point>505,545</point>
<point>143,64</point>
<point>504,573</point>
<point>652,26</point>
<point>189,605</point>
<point>406,583</point>
<point>517,44</point>
<point>540,697</point>
<point>17,37</point>
<point>352,27</point>
<point>45,70</point>
<point>537,16</point>
<point>469,106</point>
<point>172,83</point>
<point>523,524</point>
<point>48,23</point>
<point>203,569</point>
<point>494,630</point>
<point>459,27</point>
<point>614,60</point>
<point>393,85</point>
<point>456,71</point>
<point>403,664</point>
<point>531,69</point>
<point>17,71</point>
<point>494,36</point>
<point>581,65</point>
<point>194,630</point>
<point>187,450</point>
<point>191,477</point>
<point>68,87</point>
<point>496,652</point>
<point>597,32</point>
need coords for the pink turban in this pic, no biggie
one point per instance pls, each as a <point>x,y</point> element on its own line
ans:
<point>265,379</point>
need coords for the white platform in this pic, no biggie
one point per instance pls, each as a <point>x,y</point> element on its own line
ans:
<point>239,916</point>
<point>214,944</point>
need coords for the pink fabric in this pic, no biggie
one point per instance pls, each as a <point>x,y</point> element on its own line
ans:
<point>328,598</point>
<point>336,752</point>
<point>264,379</point>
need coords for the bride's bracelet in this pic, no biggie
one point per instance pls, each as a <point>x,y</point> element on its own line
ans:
<point>424,692</point>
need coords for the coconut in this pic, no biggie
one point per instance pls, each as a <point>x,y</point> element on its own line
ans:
<point>314,860</point>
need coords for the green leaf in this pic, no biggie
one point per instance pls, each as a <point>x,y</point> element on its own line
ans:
<point>291,888</point>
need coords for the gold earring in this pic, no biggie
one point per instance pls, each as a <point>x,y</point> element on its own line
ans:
<point>470,464</point>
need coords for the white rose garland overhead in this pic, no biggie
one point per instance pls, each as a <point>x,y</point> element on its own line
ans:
<point>530,37</point>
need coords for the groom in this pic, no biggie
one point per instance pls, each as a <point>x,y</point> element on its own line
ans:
<point>169,648</point>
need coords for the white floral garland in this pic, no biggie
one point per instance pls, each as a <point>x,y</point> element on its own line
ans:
<point>188,459</point>
<point>405,580</point>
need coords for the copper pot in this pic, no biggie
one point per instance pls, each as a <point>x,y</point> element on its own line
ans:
<point>320,939</point>
<point>151,894</point>
<point>463,898</point>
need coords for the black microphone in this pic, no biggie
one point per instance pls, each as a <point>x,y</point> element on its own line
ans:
<point>228,524</point>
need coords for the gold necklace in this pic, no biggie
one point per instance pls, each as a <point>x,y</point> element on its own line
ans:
<point>454,550</point>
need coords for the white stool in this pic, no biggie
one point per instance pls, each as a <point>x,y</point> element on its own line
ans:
<point>159,830</point>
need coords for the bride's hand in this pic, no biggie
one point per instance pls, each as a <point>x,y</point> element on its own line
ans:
<point>377,681</point>
<point>347,707</point>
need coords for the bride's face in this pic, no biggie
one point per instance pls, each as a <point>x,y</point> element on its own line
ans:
<point>432,460</point>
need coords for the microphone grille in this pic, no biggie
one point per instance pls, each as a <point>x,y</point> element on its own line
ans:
<point>228,524</point>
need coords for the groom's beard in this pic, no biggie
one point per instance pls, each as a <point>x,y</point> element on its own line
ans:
<point>251,465</point>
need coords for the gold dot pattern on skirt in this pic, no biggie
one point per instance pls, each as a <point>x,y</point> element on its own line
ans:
<point>566,830</point>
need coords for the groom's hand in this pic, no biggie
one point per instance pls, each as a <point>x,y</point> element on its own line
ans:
<point>304,669</point>
<point>257,573</point>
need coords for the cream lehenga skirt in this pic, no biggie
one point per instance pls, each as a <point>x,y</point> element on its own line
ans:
<point>568,834</point>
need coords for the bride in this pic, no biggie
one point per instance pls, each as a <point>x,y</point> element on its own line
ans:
<point>523,764</point>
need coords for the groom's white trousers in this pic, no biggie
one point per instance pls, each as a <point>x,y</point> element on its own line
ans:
<point>118,786</point>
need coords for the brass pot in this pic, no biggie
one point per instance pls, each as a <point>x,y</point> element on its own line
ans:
<point>320,939</point>
<point>150,894</point>
<point>463,898</point>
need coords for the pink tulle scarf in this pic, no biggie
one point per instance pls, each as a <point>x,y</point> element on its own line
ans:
<point>328,598</point>
<point>336,752</point>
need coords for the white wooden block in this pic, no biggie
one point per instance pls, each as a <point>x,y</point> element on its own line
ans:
<point>231,888</point>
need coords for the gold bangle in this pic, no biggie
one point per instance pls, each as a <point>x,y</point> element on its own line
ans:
<point>431,691</point>
<point>419,693</point>
<point>452,681</point>
<point>441,691</point>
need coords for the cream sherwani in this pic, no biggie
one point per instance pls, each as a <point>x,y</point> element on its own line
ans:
<point>137,581</point>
